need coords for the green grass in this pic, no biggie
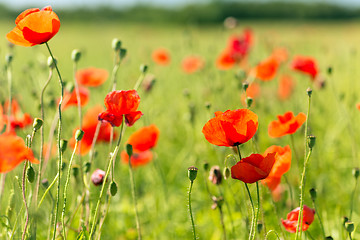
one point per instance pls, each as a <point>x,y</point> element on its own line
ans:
<point>162,203</point>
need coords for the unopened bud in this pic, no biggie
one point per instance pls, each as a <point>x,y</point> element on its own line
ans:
<point>45,183</point>
<point>249,101</point>
<point>227,173</point>
<point>63,145</point>
<point>206,166</point>
<point>8,58</point>
<point>349,226</point>
<point>208,105</point>
<point>79,135</point>
<point>51,63</point>
<point>113,188</point>
<point>329,238</point>
<point>313,194</point>
<point>311,141</point>
<point>245,86</point>
<point>356,172</point>
<point>76,55</point>
<point>75,171</point>
<point>37,124</point>
<point>122,53</point>
<point>192,173</point>
<point>69,86</point>
<point>97,177</point>
<point>329,70</point>
<point>129,150</point>
<point>259,227</point>
<point>86,167</point>
<point>309,91</point>
<point>143,68</point>
<point>30,173</point>
<point>217,202</point>
<point>215,175</point>
<point>116,44</point>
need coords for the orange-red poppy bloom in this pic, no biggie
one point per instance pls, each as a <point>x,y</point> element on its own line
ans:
<point>286,87</point>
<point>280,54</point>
<point>91,77</point>
<point>13,151</point>
<point>89,125</point>
<point>287,124</point>
<point>17,119</point>
<point>231,128</point>
<point>253,168</point>
<point>2,119</point>
<point>70,99</point>
<point>161,56</point>
<point>281,166</point>
<point>358,106</point>
<point>138,158</point>
<point>192,64</point>
<point>267,69</point>
<point>34,26</point>
<point>253,91</point>
<point>291,222</point>
<point>305,65</point>
<point>145,138</point>
<point>119,103</point>
<point>225,61</point>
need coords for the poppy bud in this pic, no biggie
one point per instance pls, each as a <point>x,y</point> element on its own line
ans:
<point>75,55</point>
<point>51,63</point>
<point>215,175</point>
<point>143,68</point>
<point>97,177</point>
<point>356,172</point>
<point>116,44</point>
<point>45,183</point>
<point>122,53</point>
<point>311,141</point>
<point>8,58</point>
<point>75,171</point>
<point>329,70</point>
<point>226,173</point>
<point>129,150</point>
<point>69,86</point>
<point>245,86</point>
<point>206,166</point>
<point>349,226</point>
<point>313,194</point>
<point>345,219</point>
<point>259,227</point>
<point>329,238</point>
<point>63,145</point>
<point>309,91</point>
<point>249,101</point>
<point>86,167</point>
<point>113,188</point>
<point>37,124</point>
<point>79,135</point>
<point>192,173</point>
<point>208,105</point>
<point>186,93</point>
<point>30,173</point>
<point>149,82</point>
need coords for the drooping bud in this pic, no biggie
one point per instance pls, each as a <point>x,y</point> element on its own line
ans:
<point>227,173</point>
<point>356,172</point>
<point>215,175</point>
<point>309,91</point>
<point>349,226</point>
<point>313,194</point>
<point>8,58</point>
<point>79,135</point>
<point>30,173</point>
<point>311,141</point>
<point>51,63</point>
<point>249,102</point>
<point>116,44</point>
<point>37,124</point>
<point>192,173</point>
<point>113,188</point>
<point>129,150</point>
<point>122,53</point>
<point>143,68</point>
<point>97,177</point>
<point>63,145</point>
<point>76,55</point>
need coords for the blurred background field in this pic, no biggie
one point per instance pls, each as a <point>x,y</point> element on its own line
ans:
<point>177,106</point>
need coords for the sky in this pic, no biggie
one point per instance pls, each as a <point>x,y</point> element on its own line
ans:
<point>20,4</point>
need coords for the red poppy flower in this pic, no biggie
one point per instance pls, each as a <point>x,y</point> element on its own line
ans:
<point>253,168</point>
<point>70,99</point>
<point>192,64</point>
<point>225,61</point>
<point>286,87</point>
<point>287,124</point>
<point>161,56</point>
<point>280,54</point>
<point>91,77</point>
<point>17,119</point>
<point>305,65</point>
<point>253,91</point>
<point>291,222</point>
<point>281,166</point>
<point>13,151</point>
<point>138,158</point>
<point>2,118</point>
<point>358,106</point>
<point>34,26</point>
<point>119,103</point>
<point>145,138</point>
<point>231,128</point>
<point>89,125</point>
<point>267,69</point>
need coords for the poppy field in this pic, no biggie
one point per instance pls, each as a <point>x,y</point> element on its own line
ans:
<point>246,130</point>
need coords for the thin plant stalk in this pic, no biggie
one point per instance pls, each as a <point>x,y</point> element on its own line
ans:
<point>272,231</point>
<point>190,210</point>
<point>294,149</point>
<point>9,78</point>
<point>133,192</point>
<point>352,199</point>
<point>222,222</point>
<point>290,191</point>
<point>24,199</point>
<point>320,220</point>
<point>47,190</point>
<point>140,80</point>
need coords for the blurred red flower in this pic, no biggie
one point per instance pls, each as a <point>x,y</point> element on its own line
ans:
<point>267,69</point>
<point>13,151</point>
<point>231,128</point>
<point>253,168</point>
<point>34,26</point>
<point>192,64</point>
<point>280,54</point>
<point>287,124</point>
<point>253,91</point>
<point>17,119</point>
<point>91,77</point>
<point>70,99</point>
<point>306,65</point>
<point>138,158</point>
<point>225,61</point>
<point>119,103</point>
<point>161,56</point>
<point>97,177</point>
<point>286,87</point>
<point>2,118</point>
<point>358,106</point>
<point>291,222</point>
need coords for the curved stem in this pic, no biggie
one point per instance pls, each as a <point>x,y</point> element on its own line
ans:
<point>133,192</point>
<point>190,211</point>
<point>47,190</point>
<point>321,223</point>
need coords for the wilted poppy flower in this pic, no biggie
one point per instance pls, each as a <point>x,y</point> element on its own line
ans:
<point>70,99</point>
<point>305,65</point>
<point>34,26</point>
<point>286,87</point>
<point>161,56</point>
<point>13,151</point>
<point>91,77</point>
<point>145,138</point>
<point>17,119</point>
<point>138,158</point>
<point>287,124</point>
<point>119,103</point>
<point>89,125</point>
<point>267,69</point>
<point>291,222</point>
<point>281,166</point>
<point>97,178</point>
<point>253,168</point>
<point>231,128</point>
<point>192,64</point>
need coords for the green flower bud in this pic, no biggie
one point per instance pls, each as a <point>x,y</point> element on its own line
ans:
<point>51,63</point>
<point>113,188</point>
<point>63,145</point>
<point>79,135</point>
<point>356,172</point>
<point>259,227</point>
<point>329,238</point>
<point>329,70</point>
<point>129,150</point>
<point>311,141</point>
<point>30,173</point>
<point>143,68</point>
<point>69,86</point>
<point>75,171</point>
<point>245,86</point>
<point>8,58</point>
<point>86,167</point>
<point>208,105</point>
<point>37,124</point>
<point>227,173</point>
<point>309,91</point>
<point>349,226</point>
<point>116,44</point>
<point>313,194</point>
<point>122,53</point>
<point>76,55</point>
<point>192,173</point>
<point>45,183</point>
<point>249,102</point>
<point>206,166</point>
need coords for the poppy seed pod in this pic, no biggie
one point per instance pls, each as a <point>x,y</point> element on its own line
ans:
<point>97,177</point>
<point>192,173</point>
<point>249,102</point>
<point>309,91</point>
<point>311,141</point>
<point>349,226</point>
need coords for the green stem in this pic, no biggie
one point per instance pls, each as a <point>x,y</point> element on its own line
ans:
<point>352,199</point>
<point>294,149</point>
<point>139,81</point>
<point>58,140</point>
<point>133,192</point>
<point>321,223</point>
<point>272,231</point>
<point>9,77</point>
<point>290,192</point>
<point>24,199</point>
<point>47,190</point>
<point>257,210</point>
<point>190,211</point>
